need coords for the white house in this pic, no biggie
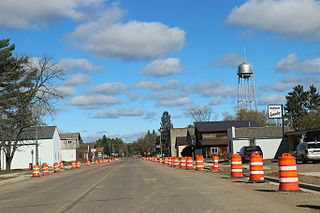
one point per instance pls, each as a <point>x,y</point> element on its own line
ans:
<point>49,148</point>
<point>70,144</point>
<point>268,138</point>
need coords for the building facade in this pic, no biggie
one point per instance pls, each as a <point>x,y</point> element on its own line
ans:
<point>70,144</point>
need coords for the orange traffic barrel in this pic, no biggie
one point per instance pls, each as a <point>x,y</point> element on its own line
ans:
<point>73,165</point>
<point>215,166</point>
<point>88,163</point>
<point>175,162</point>
<point>183,163</point>
<point>256,168</point>
<point>45,169</point>
<point>97,162</point>
<point>56,168</point>
<point>199,163</point>
<point>166,160</point>
<point>170,161</point>
<point>288,175</point>
<point>189,163</point>
<point>236,166</point>
<point>78,164</point>
<point>61,165</point>
<point>36,171</point>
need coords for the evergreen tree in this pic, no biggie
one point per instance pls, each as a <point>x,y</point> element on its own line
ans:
<point>165,127</point>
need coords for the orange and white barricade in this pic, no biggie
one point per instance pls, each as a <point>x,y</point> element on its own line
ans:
<point>45,169</point>
<point>288,175</point>
<point>36,171</point>
<point>56,168</point>
<point>256,168</point>
<point>189,163</point>
<point>183,163</point>
<point>199,163</point>
<point>236,166</point>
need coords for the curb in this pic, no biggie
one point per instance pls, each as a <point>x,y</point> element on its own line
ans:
<point>301,185</point>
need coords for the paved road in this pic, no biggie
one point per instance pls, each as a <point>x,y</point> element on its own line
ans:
<point>134,185</point>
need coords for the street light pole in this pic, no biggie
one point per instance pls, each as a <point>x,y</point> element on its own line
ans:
<point>37,150</point>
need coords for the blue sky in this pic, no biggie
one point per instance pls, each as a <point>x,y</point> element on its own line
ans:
<point>126,62</point>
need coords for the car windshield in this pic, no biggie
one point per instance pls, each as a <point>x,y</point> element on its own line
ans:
<point>314,145</point>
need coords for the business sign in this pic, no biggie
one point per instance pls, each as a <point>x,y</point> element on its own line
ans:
<point>275,111</point>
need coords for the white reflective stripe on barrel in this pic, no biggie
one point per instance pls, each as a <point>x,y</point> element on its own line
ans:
<point>257,172</point>
<point>236,170</point>
<point>288,180</point>
<point>199,161</point>
<point>200,166</point>
<point>256,163</point>
<point>287,168</point>
<point>216,161</point>
<point>236,162</point>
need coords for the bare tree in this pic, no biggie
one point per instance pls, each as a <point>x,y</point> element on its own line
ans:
<point>26,95</point>
<point>200,113</point>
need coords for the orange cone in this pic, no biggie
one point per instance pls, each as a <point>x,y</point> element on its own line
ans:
<point>36,171</point>
<point>78,164</point>
<point>288,175</point>
<point>88,163</point>
<point>56,168</point>
<point>236,166</point>
<point>45,169</point>
<point>215,166</point>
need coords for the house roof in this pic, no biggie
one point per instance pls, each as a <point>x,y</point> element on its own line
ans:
<point>222,125</point>
<point>70,135</point>
<point>259,132</point>
<point>42,132</point>
<point>181,141</point>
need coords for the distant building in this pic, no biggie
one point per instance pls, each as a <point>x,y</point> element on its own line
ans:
<point>70,144</point>
<point>212,137</point>
<point>49,148</point>
<point>174,133</point>
<point>181,143</point>
<point>268,138</point>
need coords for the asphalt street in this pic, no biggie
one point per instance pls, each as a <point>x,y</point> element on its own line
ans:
<point>134,185</point>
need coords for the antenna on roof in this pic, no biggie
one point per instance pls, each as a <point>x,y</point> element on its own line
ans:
<point>244,55</point>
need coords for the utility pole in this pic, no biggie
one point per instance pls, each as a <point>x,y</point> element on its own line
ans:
<point>37,150</point>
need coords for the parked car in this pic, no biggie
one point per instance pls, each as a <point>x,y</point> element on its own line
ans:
<point>308,151</point>
<point>246,152</point>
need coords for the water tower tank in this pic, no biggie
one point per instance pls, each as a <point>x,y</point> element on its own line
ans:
<point>245,70</point>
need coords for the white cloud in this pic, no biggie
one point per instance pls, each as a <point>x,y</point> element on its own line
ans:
<point>24,14</point>
<point>290,18</point>
<point>215,101</point>
<point>78,65</point>
<point>272,99</point>
<point>292,63</point>
<point>109,37</point>
<point>66,91</point>
<point>212,88</point>
<point>78,79</point>
<point>91,137</point>
<point>157,86</point>
<point>174,102</point>
<point>110,88</point>
<point>163,67</point>
<point>116,113</point>
<point>230,60</point>
<point>93,101</point>
<point>129,137</point>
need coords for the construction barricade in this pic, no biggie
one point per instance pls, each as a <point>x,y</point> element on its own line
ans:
<point>215,166</point>
<point>88,163</point>
<point>45,169</point>
<point>256,168</point>
<point>288,175</point>
<point>199,163</point>
<point>78,164</point>
<point>170,161</point>
<point>183,163</point>
<point>61,165</point>
<point>56,168</point>
<point>175,162</point>
<point>189,163</point>
<point>36,171</point>
<point>73,165</point>
<point>236,166</point>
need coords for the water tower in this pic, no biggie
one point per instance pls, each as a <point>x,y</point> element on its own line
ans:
<point>246,90</point>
